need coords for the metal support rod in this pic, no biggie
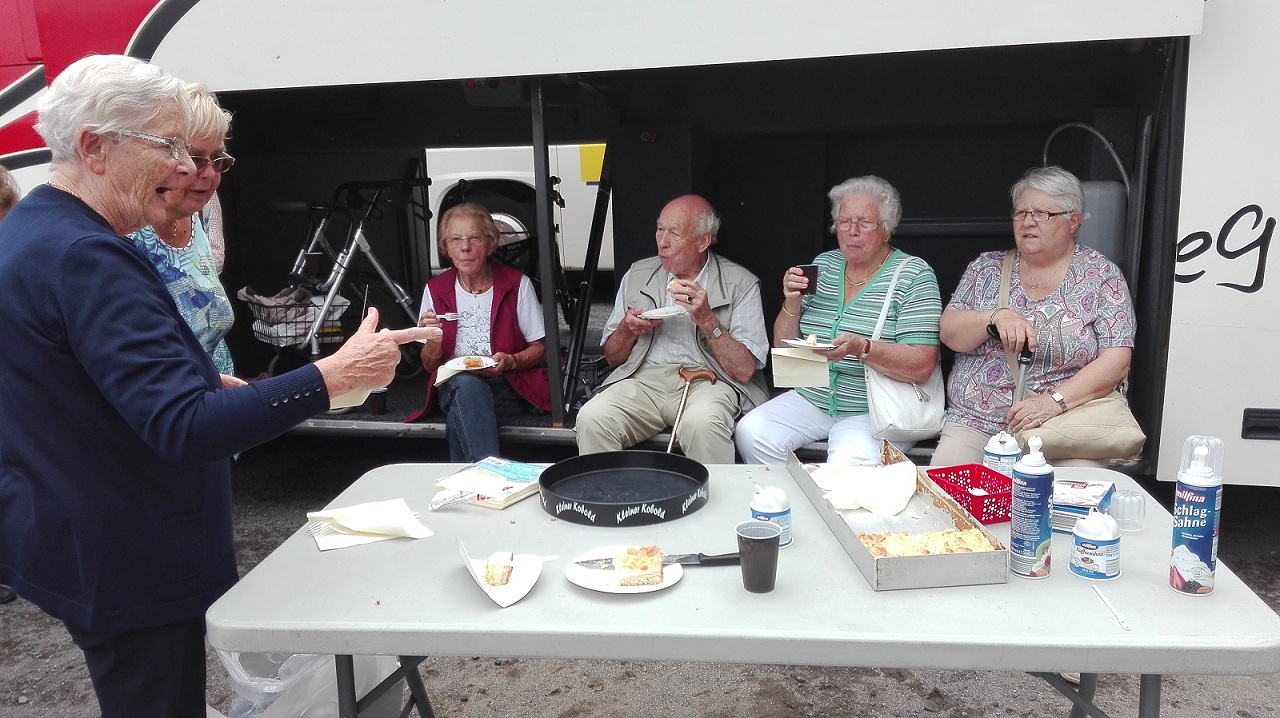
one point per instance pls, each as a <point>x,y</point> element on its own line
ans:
<point>1149,696</point>
<point>1088,689</point>
<point>546,248</point>
<point>578,333</point>
<point>1078,700</point>
<point>346,677</point>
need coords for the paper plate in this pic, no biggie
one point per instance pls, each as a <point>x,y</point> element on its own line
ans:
<point>346,401</point>
<point>460,363</point>
<point>605,580</point>
<point>525,569</point>
<point>663,313</point>
<point>799,344</point>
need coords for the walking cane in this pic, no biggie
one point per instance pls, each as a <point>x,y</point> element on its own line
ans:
<point>689,376</point>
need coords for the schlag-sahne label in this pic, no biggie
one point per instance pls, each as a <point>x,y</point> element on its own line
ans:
<point>1197,509</point>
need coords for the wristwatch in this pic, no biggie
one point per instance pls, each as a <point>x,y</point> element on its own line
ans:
<point>1062,402</point>
<point>715,333</point>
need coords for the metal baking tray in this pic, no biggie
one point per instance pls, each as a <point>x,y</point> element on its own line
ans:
<point>931,509</point>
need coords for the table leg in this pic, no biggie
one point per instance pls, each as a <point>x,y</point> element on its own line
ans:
<point>1149,696</point>
<point>417,691</point>
<point>345,666</point>
<point>1088,688</point>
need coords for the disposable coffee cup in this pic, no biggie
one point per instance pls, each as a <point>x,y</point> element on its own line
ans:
<point>810,273</point>
<point>758,547</point>
<point>378,401</point>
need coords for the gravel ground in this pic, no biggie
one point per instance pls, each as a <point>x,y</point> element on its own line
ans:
<point>43,676</point>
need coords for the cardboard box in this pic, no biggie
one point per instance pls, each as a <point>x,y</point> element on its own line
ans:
<point>931,509</point>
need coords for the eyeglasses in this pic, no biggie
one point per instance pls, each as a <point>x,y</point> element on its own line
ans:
<point>1039,215</point>
<point>177,146</point>
<point>845,224</point>
<point>221,163</point>
<point>460,241</point>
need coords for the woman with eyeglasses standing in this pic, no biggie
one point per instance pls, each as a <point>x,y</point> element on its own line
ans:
<point>180,248</point>
<point>115,479</point>
<point>492,338</point>
<point>841,313</point>
<point>1068,304</point>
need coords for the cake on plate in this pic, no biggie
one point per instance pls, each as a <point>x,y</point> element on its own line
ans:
<point>639,566</point>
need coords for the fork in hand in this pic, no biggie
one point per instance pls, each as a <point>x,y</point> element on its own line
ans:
<point>448,316</point>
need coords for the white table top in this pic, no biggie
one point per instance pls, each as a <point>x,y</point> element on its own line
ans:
<point>415,597</point>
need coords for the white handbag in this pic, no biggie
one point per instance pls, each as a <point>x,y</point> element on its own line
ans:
<point>901,411</point>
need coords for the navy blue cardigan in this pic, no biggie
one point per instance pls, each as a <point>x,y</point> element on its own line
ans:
<point>115,492</point>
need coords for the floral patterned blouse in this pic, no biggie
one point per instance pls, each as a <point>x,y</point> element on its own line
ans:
<point>1090,310</point>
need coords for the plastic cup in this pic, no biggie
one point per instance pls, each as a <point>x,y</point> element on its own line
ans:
<point>378,401</point>
<point>758,547</point>
<point>1129,509</point>
<point>810,273</point>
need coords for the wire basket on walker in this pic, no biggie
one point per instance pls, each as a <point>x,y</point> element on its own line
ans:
<point>286,319</point>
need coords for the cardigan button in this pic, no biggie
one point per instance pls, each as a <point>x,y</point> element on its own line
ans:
<point>275,402</point>
<point>297,395</point>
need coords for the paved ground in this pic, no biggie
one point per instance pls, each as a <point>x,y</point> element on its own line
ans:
<point>42,675</point>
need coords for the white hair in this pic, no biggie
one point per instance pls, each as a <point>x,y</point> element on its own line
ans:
<point>1059,184</point>
<point>105,93</point>
<point>890,203</point>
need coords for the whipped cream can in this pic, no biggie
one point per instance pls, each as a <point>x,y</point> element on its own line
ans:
<point>1030,527</point>
<point>1197,510</point>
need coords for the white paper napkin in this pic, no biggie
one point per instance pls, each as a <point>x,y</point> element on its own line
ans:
<point>880,489</point>
<point>364,523</point>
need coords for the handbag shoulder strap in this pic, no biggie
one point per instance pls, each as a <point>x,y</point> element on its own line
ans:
<point>1002,302</point>
<point>888,299</point>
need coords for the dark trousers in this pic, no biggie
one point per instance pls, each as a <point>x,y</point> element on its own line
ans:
<point>157,671</point>
<point>474,408</point>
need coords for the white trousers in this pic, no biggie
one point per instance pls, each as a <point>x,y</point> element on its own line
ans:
<point>788,422</point>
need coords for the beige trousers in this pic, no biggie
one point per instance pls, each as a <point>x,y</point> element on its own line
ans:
<point>638,407</point>
<point>961,445</point>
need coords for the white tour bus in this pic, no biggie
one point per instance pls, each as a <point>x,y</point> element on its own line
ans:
<point>1165,107</point>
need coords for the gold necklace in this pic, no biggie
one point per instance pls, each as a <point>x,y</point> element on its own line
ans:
<point>855,285</point>
<point>64,188</point>
<point>1047,282</point>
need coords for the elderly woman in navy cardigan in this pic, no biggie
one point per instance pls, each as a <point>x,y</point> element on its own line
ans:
<point>115,479</point>
<point>491,319</point>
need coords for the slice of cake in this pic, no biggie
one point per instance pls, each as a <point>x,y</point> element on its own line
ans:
<point>639,566</point>
<point>497,568</point>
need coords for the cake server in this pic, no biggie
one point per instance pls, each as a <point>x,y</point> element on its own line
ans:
<point>687,559</point>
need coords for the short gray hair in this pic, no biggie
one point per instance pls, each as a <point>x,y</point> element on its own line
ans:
<point>707,222</point>
<point>890,203</point>
<point>104,93</point>
<point>1054,181</point>
<point>208,119</point>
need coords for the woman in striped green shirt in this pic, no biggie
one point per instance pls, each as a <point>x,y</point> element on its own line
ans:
<point>853,282</point>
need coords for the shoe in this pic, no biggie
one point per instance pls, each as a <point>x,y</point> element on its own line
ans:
<point>1072,678</point>
<point>6,594</point>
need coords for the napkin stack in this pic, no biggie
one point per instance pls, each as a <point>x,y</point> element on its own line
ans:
<point>1073,499</point>
<point>364,523</point>
<point>880,489</point>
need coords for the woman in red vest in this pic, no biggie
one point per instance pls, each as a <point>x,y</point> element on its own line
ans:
<point>490,360</point>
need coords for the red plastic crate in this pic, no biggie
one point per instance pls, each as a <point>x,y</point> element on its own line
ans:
<point>989,508</point>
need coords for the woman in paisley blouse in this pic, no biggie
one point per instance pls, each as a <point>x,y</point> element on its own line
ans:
<point>180,249</point>
<point>1068,303</point>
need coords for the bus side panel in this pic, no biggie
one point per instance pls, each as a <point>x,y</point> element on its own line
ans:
<point>1225,332</point>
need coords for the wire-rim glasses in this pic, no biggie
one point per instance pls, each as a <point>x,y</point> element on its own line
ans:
<point>177,146</point>
<point>844,224</point>
<point>221,163</point>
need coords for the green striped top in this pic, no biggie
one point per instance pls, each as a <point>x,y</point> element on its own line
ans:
<point>913,319</point>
